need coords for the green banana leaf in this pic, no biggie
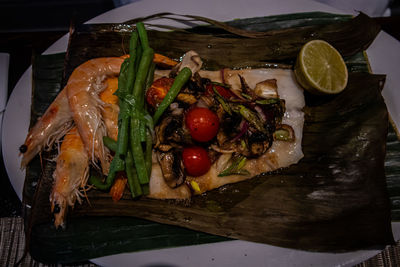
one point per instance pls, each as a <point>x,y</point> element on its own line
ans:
<point>335,199</point>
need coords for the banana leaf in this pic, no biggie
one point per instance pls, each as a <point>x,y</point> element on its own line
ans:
<point>347,35</point>
<point>335,199</point>
<point>47,75</point>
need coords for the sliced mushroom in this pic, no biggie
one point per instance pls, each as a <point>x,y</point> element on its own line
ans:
<point>170,131</point>
<point>191,60</point>
<point>172,167</point>
<point>267,89</point>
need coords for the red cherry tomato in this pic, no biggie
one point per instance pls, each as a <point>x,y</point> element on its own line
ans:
<point>196,160</point>
<point>202,123</point>
<point>225,93</point>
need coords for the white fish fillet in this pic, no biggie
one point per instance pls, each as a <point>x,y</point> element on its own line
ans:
<point>281,154</point>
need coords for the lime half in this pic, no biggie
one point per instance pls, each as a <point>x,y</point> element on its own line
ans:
<point>320,68</point>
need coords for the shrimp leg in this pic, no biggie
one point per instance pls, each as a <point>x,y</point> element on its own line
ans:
<point>70,175</point>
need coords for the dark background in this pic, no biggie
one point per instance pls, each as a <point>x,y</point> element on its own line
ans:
<point>29,27</point>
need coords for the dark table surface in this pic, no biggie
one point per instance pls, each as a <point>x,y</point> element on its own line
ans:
<point>23,44</point>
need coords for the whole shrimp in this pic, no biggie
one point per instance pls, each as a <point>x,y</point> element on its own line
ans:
<point>71,174</point>
<point>58,118</point>
<point>53,125</point>
<point>83,88</point>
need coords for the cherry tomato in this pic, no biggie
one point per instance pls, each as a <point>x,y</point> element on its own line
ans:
<point>224,92</point>
<point>202,123</point>
<point>196,160</point>
<point>157,91</point>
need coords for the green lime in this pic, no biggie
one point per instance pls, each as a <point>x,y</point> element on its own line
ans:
<point>320,69</point>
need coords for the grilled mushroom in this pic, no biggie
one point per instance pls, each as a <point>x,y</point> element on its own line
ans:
<point>267,89</point>
<point>258,143</point>
<point>171,131</point>
<point>172,167</point>
<point>190,60</point>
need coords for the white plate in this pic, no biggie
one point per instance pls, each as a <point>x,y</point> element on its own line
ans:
<point>4,63</point>
<point>384,56</point>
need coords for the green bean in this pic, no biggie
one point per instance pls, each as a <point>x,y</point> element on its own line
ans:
<point>133,47</point>
<point>115,166</point>
<point>138,95</point>
<point>123,79</point>
<point>129,168</point>
<point>146,123</point>
<point>123,121</point>
<point>125,84</point>
<point>133,181</point>
<point>110,143</point>
<point>149,122</point>
<point>126,81</point>
<point>141,75</point>
<point>132,83</point>
<point>145,189</point>
<point>147,84</point>
<point>96,181</point>
<point>122,144</point>
<point>148,152</point>
<point>137,151</point>
<point>142,131</point>
<point>150,76</point>
<point>179,82</point>
<point>142,35</point>
<point>139,52</point>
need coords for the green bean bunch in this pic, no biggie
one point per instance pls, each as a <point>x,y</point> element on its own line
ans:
<point>133,149</point>
<point>133,122</point>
